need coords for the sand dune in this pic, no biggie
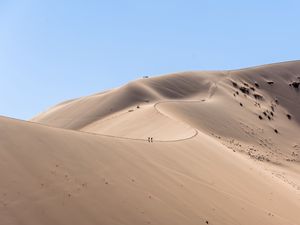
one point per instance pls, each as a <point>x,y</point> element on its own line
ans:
<point>226,150</point>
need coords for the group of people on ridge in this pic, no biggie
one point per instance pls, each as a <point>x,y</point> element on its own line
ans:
<point>150,139</point>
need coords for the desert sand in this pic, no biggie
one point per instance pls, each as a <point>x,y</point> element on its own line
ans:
<point>225,151</point>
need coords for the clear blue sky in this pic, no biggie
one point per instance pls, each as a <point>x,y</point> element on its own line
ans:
<point>52,50</point>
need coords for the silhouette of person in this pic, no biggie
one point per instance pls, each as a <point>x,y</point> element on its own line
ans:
<point>148,139</point>
<point>152,139</point>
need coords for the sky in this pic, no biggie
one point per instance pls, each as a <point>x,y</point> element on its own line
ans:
<point>54,50</point>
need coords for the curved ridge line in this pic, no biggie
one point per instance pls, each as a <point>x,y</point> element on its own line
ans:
<point>212,91</point>
<point>196,132</point>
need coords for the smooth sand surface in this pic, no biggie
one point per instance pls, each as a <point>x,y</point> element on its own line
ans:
<point>225,150</point>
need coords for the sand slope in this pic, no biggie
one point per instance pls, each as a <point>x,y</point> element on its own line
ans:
<point>243,106</point>
<point>213,160</point>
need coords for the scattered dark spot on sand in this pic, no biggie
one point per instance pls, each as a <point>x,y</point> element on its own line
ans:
<point>296,84</point>
<point>258,96</point>
<point>244,90</point>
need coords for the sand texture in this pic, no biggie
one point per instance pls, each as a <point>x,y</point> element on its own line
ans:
<point>225,150</point>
